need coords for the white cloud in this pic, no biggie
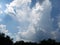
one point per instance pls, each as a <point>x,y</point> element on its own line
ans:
<point>1,10</point>
<point>3,29</point>
<point>20,10</point>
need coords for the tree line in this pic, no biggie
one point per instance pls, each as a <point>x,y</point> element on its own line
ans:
<point>6,40</point>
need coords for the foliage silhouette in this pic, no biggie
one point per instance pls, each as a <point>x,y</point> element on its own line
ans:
<point>48,42</point>
<point>6,40</point>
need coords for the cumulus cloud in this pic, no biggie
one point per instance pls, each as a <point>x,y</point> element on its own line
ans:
<point>1,12</point>
<point>3,29</point>
<point>31,20</point>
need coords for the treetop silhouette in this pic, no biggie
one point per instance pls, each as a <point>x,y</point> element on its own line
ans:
<point>6,40</point>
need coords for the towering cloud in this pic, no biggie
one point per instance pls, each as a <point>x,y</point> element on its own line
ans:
<point>32,21</point>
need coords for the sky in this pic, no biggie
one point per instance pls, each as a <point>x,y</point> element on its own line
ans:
<point>30,20</point>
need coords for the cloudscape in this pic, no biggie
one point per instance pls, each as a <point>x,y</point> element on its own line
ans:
<point>30,20</point>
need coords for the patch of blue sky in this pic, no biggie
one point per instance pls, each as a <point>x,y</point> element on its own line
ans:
<point>10,23</point>
<point>33,3</point>
<point>55,12</point>
<point>5,1</point>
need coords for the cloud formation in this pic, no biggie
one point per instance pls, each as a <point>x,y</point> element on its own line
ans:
<point>3,29</point>
<point>32,21</point>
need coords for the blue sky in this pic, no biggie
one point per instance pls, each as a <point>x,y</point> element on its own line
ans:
<point>22,19</point>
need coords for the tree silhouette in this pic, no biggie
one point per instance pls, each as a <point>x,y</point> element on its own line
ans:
<point>24,43</point>
<point>19,43</point>
<point>5,40</point>
<point>49,42</point>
